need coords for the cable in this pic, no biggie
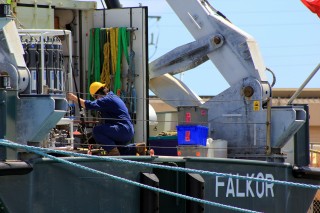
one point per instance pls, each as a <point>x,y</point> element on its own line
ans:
<point>273,77</point>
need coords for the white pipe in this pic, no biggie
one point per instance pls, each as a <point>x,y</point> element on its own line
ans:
<point>45,31</point>
<point>297,93</point>
<point>42,64</point>
<point>70,63</point>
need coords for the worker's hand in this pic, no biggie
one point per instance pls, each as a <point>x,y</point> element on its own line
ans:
<point>71,97</point>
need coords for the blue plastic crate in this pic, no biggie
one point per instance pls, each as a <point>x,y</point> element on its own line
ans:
<point>192,135</point>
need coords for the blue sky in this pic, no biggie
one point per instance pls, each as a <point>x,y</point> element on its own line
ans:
<point>287,33</point>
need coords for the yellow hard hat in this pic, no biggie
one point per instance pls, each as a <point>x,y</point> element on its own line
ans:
<point>94,87</point>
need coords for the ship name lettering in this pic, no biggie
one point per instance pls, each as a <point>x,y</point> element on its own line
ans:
<point>235,187</point>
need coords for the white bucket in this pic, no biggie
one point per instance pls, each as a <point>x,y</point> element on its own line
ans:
<point>217,148</point>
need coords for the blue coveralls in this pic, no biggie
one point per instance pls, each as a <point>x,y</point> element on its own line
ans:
<point>117,128</point>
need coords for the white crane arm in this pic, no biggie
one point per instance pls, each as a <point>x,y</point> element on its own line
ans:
<point>239,57</point>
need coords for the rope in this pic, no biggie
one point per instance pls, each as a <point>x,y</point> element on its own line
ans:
<point>124,35</point>
<point>105,74</point>
<point>178,99</point>
<point>131,91</point>
<point>103,40</point>
<point>178,169</point>
<point>96,55</point>
<point>164,121</point>
<point>122,48</point>
<point>117,79</point>
<point>114,52</point>
<point>206,202</point>
<point>82,126</point>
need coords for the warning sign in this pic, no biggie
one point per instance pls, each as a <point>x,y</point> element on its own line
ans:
<point>256,105</point>
<point>188,117</point>
<point>187,136</point>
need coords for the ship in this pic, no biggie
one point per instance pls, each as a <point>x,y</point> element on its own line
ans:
<point>49,163</point>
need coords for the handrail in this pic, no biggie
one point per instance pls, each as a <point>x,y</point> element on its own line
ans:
<point>297,93</point>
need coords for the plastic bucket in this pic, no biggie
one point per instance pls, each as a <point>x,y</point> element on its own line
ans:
<point>217,148</point>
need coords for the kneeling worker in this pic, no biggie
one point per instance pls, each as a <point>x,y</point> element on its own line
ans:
<point>116,127</point>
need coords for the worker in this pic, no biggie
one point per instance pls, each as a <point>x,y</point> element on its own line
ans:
<point>116,127</point>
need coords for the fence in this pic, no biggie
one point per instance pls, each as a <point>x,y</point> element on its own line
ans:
<point>315,205</point>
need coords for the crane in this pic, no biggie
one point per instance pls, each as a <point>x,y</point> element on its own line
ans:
<point>242,114</point>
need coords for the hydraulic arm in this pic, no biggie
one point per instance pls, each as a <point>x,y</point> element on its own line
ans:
<point>242,114</point>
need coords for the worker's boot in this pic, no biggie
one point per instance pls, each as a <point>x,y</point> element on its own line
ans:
<point>141,148</point>
<point>113,152</point>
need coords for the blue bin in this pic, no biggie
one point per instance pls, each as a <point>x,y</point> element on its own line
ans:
<point>192,135</point>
